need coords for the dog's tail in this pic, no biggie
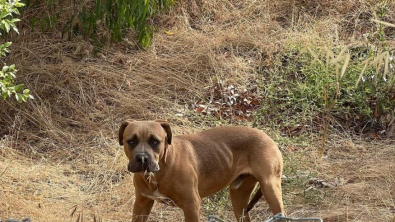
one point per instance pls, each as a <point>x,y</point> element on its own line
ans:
<point>254,200</point>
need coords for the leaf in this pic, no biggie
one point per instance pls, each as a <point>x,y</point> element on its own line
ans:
<point>131,21</point>
<point>255,102</point>
<point>241,118</point>
<point>18,97</point>
<point>4,94</point>
<point>199,109</point>
<point>5,68</point>
<point>15,20</point>
<point>15,28</point>
<point>344,68</point>
<point>7,44</point>
<point>7,25</point>
<point>169,33</point>
<point>19,4</point>
<point>4,14</point>
<point>18,87</point>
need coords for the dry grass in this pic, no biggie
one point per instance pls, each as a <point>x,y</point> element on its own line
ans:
<point>101,188</point>
<point>64,190</point>
<point>61,160</point>
<point>363,175</point>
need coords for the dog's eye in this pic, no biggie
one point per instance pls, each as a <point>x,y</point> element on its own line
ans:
<point>154,142</point>
<point>132,143</point>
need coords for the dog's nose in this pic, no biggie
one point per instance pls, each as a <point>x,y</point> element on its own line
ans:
<point>141,158</point>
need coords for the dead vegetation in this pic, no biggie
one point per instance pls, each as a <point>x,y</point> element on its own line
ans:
<point>59,159</point>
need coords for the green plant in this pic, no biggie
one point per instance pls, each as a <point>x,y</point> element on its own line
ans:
<point>378,15</point>
<point>9,8</point>
<point>217,202</point>
<point>310,85</point>
<point>96,17</point>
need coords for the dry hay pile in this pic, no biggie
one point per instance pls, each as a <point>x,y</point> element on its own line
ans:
<point>59,152</point>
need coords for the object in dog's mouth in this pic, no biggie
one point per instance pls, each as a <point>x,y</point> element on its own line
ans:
<point>149,166</point>
<point>152,167</point>
<point>155,168</point>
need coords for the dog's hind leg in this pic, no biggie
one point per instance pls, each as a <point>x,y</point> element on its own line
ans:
<point>268,170</point>
<point>240,198</point>
<point>271,189</point>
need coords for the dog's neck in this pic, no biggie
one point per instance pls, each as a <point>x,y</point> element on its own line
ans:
<point>151,179</point>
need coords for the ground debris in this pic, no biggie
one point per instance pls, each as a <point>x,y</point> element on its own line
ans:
<point>14,220</point>
<point>315,183</point>
<point>228,102</point>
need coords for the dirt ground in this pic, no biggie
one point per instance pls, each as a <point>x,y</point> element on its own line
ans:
<point>353,182</point>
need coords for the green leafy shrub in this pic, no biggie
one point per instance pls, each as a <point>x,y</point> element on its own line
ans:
<point>8,9</point>
<point>94,18</point>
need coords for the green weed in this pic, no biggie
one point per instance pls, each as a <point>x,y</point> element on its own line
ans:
<point>96,18</point>
<point>217,202</point>
<point>310,86</point>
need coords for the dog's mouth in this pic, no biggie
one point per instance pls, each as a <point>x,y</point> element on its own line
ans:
<point>148,166</point>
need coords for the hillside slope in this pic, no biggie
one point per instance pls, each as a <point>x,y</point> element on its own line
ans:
<point>59,157</point>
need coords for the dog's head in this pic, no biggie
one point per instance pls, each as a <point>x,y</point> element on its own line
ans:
<point>145,143</point>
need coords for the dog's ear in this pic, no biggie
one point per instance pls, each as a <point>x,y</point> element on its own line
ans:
<point>122,128</point>
<point>167,128</point>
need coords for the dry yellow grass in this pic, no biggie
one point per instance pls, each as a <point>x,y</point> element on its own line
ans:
<point>98,186</point>
<point>61,159</point>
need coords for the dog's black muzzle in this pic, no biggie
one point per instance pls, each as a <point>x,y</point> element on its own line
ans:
<point>142,163</point>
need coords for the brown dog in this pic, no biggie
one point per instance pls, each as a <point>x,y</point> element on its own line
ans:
<point>181,170</point>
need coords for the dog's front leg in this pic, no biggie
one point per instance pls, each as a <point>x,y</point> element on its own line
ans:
<point>192,213</point>
<point>142,208</point>
<point>191,208</point>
